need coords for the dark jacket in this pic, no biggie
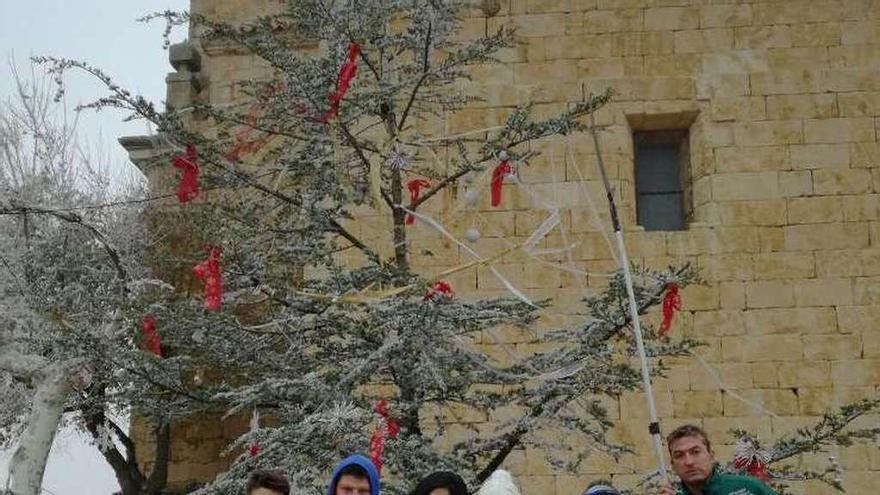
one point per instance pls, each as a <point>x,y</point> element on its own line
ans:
<point>362,462</point>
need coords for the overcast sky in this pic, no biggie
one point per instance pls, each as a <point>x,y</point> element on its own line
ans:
<point>105,34</point>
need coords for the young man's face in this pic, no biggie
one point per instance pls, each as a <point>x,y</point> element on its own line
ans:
<point>691,460</point>
<point>352,485</point>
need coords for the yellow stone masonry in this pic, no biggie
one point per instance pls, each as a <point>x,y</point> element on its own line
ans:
<point>784,100</point>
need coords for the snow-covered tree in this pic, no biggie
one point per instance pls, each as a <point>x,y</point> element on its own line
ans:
<point>313,336</point>
<point>70,251</point>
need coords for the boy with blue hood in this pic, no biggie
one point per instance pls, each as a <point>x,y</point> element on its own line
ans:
<point>354,475</point>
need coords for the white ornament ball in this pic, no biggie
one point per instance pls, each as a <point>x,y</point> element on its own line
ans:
<point>472,235</point>
<point>503,155</point>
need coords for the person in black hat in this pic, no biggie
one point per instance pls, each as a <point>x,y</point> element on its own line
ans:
<point>601,487</point>
<point>441,483</point>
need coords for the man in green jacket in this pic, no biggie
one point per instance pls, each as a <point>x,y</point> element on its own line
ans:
<point>694,462</point>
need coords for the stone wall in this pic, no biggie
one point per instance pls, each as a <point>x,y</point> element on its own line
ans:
<point>782,99</point>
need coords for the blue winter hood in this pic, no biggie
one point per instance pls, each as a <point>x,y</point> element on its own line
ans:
<point>362,462</point>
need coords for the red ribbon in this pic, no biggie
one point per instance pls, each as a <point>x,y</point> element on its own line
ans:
<point>415,186</point>
<point>346,74</point>
<point>498,174</point>
<point>151,336</point>
<point>387,426</point>
<point>442,289</point>
<point>753,467</point>
<point>188,188</point>
<point>208,271</point>
<point>671,304</point>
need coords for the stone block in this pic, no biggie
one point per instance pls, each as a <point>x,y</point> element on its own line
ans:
<point>738,108</point>
<point>848,263</point>
<point>697,403</point>
<point>531,25</point>
<point>578,47</point>
<point>768,133</point>
<point>842,80</point>
<point>793,321</point>
<point>719,322</point>
<point>722,85</point>
<point>856,373</point>
<point>808,58</point>
<point>838,130</point>
<point>702,40</point>
<point>763,212</point>
<point>867,290</point>
<point>825,236</point>
<point>810,156</point>
<point>732,295</point>
<point>816,209</point>
<point>815,34</point>
<point>856,56</point>
<point>750,37</point>
<point>784,265</point>
<point>542,72</point>
<point>671,18</point>
<point>751,158</point>
<point>752,348</point>
<point>672,65</point>
<point>859,104</point>
<point>744,186</point>
<point>722,267</point>
<point>764,375</point>
<point>794,374</point>
<point>780,107</point>
<point>864,155</point>
<point>735,61</point>
<point>726,375</point>
<point>611,21</point>
<point>783,402</point>
<point>861,32</point>
<point>796,183</point>
<point>824,292</point>
<point>642,43</point>
<point>785,82</point>
<point>832,347</point>
<point>719,428</point>
<point>769,294</point>
<point>842,181</point>
<point>725,15</point>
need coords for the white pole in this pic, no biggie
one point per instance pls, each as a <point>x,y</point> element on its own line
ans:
<point>654,425</point>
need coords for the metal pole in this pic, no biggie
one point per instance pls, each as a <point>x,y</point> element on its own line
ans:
<point>654,426</point>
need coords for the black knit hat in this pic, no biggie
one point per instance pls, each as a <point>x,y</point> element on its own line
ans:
<point>441,479</point>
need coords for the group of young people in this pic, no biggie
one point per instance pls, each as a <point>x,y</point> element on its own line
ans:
<point>690,451</point>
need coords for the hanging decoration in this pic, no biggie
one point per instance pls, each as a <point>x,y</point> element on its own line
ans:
<point>386,427</point>
<point>748,458</point>
<point>440,292</point>
<point>208,271</point>
<point>254,447</point>
<point>415,186</point>
<point>346,74</point>
<point>244,144</point>
<point>472,235</point>
<point>151,336</point>
<point>498,174</point>
<point>188,188</point>
<point>671,304</point>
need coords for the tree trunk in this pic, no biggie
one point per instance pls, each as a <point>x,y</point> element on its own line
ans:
<point>29,461</point>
